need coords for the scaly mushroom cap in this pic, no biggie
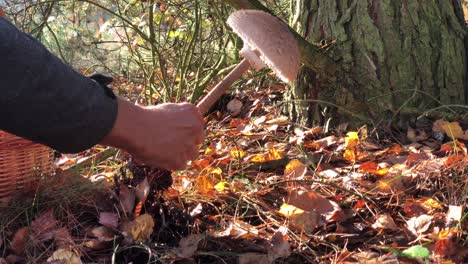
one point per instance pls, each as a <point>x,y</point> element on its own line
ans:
<point>270,37</point>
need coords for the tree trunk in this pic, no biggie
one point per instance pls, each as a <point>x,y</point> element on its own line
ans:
<point>400,57</point>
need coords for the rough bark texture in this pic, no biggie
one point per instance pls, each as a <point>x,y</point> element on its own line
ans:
<point>400,56</point>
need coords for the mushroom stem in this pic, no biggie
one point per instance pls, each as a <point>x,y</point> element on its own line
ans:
<point>208,101</point>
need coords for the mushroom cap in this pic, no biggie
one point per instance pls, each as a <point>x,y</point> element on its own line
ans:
<point>271,37</point>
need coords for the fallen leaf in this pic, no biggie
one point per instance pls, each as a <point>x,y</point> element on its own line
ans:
<point>369,166</point>
<point>234,107</point>
<point>453,130</point>
<point>412,208</point>
<point>414,158</point>
<point>44,226</point>
<point>394,150</point>
<point>280,121</point>
<point>203,185</point>
<point>127,198</point>
<point>454,214</point>
<point>222,186</point>
<point>280,245</point>
<point>430,203</point>
<point>385,221</point>
<point>65,256</point>
<point>102,233</point>
<point>322,143</point>
<point>109,219</point>
<point>272,154</point>
<point>311,201</point>
<point>188,245</point>
<point>142,189</point>
<point>438,126</point>
<point>295,169</point>
<point>237,153</point>
<point>237,229</point>
<point>289,210</point>
<point>197,210</point>
<point>445,247</point>
<point>454,161</point>
<point>419,224</point>
<point>417,251</point>
<point>139,229</point>
<point>19,241</point>
<point>351,139</point>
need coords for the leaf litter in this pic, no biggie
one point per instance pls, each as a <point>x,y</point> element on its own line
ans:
<point>262,191</point>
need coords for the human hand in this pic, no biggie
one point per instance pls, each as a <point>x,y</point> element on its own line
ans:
<point>165,135</point>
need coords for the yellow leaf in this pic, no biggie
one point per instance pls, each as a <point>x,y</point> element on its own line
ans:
<point>221,186</point>
<point>203,185</point>
<point>289,210</point>
<point>432,204</point>
<point>237,153</point>
<point>272,154</point>
<point>139,229</point>
<point>453,130</point>
<point>380,172</point>
<point>350,155</point>
<point>210,150</point>
<point>351,140</point>
<point>295,169</point>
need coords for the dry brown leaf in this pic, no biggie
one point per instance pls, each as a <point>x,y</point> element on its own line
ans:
<point>419,224</point>
<point>188,245</point>
<point>204,186</point>
<point>142,189</point>
<point>65,256</point>
<point>234,107</point>
<point>385,221</point>
<point>414,158</point>
<point>438,126</point>
<point>237,229</point>
<point>280,121</point>
<point>323,143</point>
<point>453,130</point>
<point>139,229</point>
<point>127,198</point>
<point>44,226</point>
<point>412,208</point>
<point>280,245</point>
<point>19,241</point>
<point>109,219</point>
<point>445,247</point>
<point>295,169</point>
<point>311,201</point>
<point>102,233</point>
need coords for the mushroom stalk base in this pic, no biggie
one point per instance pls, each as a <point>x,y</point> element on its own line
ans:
<point>208,101</point>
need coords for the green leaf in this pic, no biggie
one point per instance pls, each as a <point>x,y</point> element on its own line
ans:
<point>416,252</point>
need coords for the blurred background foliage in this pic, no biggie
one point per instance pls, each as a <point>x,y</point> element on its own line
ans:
<point>172,50</point>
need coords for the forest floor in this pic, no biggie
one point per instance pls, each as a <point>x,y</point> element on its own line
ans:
<point>263,190</point>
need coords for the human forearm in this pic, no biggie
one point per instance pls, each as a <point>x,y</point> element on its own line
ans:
<point>44,100</point>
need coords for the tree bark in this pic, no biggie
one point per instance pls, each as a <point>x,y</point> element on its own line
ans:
<point>395,57</point>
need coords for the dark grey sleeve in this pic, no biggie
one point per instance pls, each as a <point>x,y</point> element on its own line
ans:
<point>45,100</point>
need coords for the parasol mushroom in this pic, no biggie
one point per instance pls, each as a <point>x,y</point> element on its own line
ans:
<point>267,42</point>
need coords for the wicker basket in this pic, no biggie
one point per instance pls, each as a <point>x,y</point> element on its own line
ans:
<point>22,162</point>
